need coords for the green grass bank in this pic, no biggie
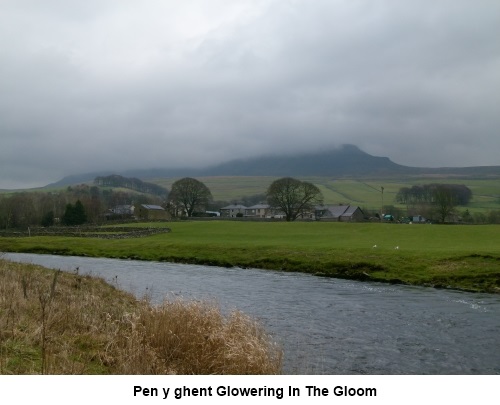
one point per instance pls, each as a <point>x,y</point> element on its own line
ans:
<point>463,257</point>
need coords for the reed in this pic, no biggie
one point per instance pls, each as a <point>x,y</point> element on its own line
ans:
<point>61,323</point>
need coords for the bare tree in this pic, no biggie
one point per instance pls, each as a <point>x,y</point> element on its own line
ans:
<point>293,197</point>
<point>444,201</point>
<point>189,195</point>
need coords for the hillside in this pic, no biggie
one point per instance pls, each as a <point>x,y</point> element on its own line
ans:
<point>347,161</point>
<point>130,183</point>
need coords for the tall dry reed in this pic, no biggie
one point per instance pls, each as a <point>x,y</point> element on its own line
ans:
<point>63,323</point>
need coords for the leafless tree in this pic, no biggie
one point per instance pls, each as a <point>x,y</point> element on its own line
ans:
<point>189,195</point>
<point>444,201</point>
<point>293,197</point>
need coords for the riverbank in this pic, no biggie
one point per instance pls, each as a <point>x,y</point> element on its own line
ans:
<point>325,325</point>
<point>459,256</point>
<point>54,322</point>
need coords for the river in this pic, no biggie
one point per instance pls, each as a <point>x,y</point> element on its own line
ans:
<point>325,325</point>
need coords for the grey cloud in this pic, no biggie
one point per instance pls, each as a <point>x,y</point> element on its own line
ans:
<point>107,87</point>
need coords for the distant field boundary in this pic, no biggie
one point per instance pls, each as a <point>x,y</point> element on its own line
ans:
<point>88,232</point>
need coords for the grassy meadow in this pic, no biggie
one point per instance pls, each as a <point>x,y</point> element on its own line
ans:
<point>363,192</point>
<point>449,256</point>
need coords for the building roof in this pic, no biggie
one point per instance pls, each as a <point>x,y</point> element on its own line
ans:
<point>234,207</point>
<point>336,211</point>
<point>258,207</point>
<point>153,207</point>
<point>351,209</point>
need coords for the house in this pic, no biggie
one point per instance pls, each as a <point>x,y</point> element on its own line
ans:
<point>353,213</point>
<point>231,211</point>
<point>151,212</point>
<point>120,212</point>
<point>343,213</point>
<point>123,210</point>
<point>258,211</point>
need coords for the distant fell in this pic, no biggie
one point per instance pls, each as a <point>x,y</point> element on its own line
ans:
<point>348,160</point>
<point>345,161</point>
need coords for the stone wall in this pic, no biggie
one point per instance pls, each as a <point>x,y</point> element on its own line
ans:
<point>88,232</point>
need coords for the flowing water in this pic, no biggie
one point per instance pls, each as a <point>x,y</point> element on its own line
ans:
<point>327,326</point>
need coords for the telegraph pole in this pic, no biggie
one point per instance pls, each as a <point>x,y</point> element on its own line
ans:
<point>382,207</point>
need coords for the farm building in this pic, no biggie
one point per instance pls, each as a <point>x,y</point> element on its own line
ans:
<point>231,211</point>
<point>258,211</point>
<point>343,213</point>
<point>151,212</point>
<point>122,210</point>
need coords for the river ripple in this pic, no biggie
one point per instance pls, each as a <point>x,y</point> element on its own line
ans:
<point>327,326</point>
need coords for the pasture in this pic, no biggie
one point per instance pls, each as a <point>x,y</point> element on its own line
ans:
<point>448,256</point>
<point>363,192</point>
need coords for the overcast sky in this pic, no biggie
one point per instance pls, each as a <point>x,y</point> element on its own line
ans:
<point>118,84</point>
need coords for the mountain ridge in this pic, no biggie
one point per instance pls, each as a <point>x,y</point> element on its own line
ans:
<point>345,161</point>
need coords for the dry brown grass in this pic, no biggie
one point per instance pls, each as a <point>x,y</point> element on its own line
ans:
<point>61,323</point>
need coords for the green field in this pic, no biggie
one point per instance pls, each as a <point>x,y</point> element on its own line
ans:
<point>363,192</point>
<point>449,256</point>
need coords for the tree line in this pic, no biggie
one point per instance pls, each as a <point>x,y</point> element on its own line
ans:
<point>187,197</point>
<point>66,207</point>
<point>437,200</point>
<point>430,193</point>
<point>190,197</point>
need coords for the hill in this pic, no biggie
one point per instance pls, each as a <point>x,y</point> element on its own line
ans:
<point>343,162</point>
<point>347,160</point>
<point>130,183</point>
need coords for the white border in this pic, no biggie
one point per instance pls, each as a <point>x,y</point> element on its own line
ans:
<point>87,390</point>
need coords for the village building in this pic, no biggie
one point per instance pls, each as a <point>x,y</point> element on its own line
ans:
<point>120,212</point>
<point>150,212</point>
<point>258,211</point>
<point>232,211</point>
<point>341,213</point>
